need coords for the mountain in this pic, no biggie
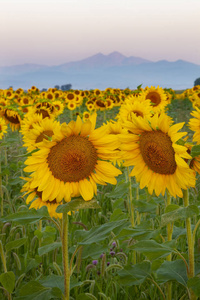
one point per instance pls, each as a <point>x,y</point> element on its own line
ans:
<point>102,71</point>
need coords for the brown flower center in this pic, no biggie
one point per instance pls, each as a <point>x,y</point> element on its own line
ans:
<point>12,119</point>
<point>44,135</point>
<point>154,97</point>
<point>43,112</point>
<point>72,159</point>
<point>70,96</point>
<point>157,152</point>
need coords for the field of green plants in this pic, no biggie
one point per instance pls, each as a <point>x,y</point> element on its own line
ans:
<point>99,194</point>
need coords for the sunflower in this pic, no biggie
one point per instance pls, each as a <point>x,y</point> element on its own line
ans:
<point>100,104</point>
<point>3,128</point>
<point>115,128</point>
<point>134,109</point>
<point>109,103</point>
<point>71,105</point>
<point>194,125</point>
<point>69,97</point>
<point>73,162</point>
<point>43,110</point>
<point>157,159</point>
<point>8,94</point>
<point>157,97</point>
<point>86,116</point>
<point>58,107</point>
<point>90,106</point>
<point>49,96</point>
<point>12,118</point>
<point>36,198</point>
<point>43,129</point>
<point>28,121</point>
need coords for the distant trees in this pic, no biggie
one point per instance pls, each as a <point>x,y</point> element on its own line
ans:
<point>197,81</point>
<point>64,87</point>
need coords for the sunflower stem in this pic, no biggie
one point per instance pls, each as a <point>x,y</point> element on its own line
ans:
<point>132,209</point>
<point>190,241</point>
<point>169,257</point>
<point>1,191</point>
<point>65,255</point>
<point>104,115</point>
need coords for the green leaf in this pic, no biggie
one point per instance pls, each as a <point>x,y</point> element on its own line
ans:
<point>180,213</point>
<point>171,207</point>
<point>77,204</point>
<point>86,296</point>
<point>31,287</point>
<point>195,151</point>
<point>143,206</point>
<point>118,214</point>
<point>15,244</point>
<point>153,250</point>
<point>45,294</point>
<point>99,233</point>
<point>173,270</point>
<point>120,190</point>
<point>194,284</point>
<point>50,247</point>
<point>93,250</point>
<point>136,274</point>
<point>7,279</point>
<point>56,281</point>
<point>26,217</point>
<point>137,233</point>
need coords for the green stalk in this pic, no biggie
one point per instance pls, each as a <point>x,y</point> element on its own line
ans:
<point>132,209</point>
<point>169,257</point>
<point>190,241</point>
<point>3,258</point>
<point>1,191</point>
<point>65,255</point>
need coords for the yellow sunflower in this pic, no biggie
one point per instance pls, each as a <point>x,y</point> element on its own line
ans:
<point>36,198</point>
<point>28,122</point>
<point>100,104</point>
<point>157,159</point>
<point>71,105</point>
<point>3,128</point>
<point>90,106</point>
<point>134,109</point>
<point>8,94</point>
<point>86,116</point>
<point>40,130</point>
<point>73,162</point>
<point>12,118</point>
<point>59,107</point>
<point>157,97</point>
<point>69,97</point>
<point>194,124</point>
<point>116,129</point>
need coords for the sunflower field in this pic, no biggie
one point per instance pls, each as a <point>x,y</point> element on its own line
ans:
<point>99,194</point>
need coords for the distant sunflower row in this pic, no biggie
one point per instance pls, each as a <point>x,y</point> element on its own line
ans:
<point>16,105</point>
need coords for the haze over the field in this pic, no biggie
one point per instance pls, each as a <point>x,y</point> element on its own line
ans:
<point>53,32</point>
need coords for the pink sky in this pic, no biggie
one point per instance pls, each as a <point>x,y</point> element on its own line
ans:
<point>58,31</point>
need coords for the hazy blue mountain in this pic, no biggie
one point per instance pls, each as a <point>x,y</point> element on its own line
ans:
<point>102,71</point>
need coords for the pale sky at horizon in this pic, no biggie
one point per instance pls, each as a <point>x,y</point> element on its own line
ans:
<point>53,32</point>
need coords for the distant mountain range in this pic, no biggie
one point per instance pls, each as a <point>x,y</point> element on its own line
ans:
<point>102,71</point>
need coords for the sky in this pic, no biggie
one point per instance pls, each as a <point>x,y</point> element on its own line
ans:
<point>53,32</point>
